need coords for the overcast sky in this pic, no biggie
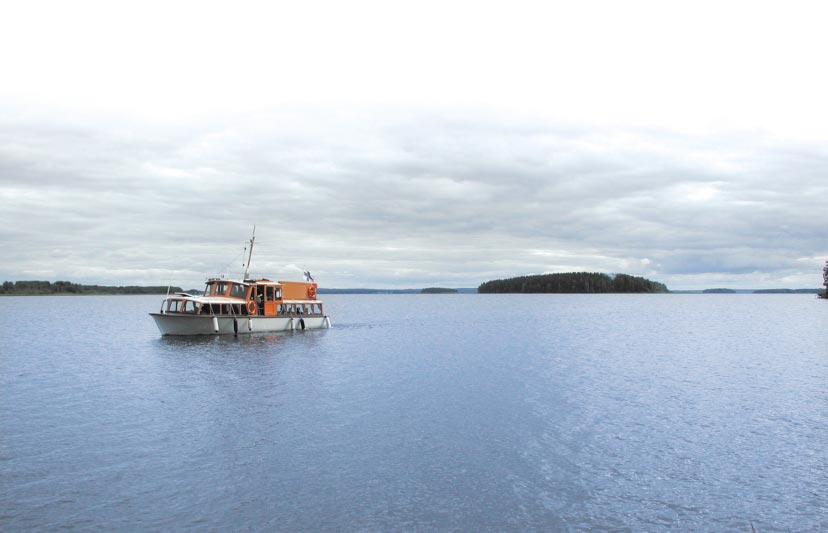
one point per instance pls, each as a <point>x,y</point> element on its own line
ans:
<point>395,145</point>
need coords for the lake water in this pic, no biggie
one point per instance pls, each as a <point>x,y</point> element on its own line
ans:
<point>421,412</point>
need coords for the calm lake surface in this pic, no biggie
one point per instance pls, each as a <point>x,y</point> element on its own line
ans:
<point>421,412</point>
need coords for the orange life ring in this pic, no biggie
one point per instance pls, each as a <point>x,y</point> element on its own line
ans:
<point>251,307</point>
<point>311,292</point>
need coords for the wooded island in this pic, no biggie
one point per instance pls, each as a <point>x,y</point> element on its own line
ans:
<point>573,282</point>
<point>42,288</point>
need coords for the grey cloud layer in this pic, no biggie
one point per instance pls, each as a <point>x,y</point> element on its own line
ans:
<point>399,199</point>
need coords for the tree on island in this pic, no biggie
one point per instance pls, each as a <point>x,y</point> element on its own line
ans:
<point>825,279</point>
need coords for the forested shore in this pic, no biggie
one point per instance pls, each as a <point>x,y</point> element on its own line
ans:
<point>573,282</point>
<point>44,288</point>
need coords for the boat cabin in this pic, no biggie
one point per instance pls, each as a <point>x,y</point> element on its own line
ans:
<point>259,297</point>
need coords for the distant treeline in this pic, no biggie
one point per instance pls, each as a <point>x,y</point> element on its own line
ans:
<point>38,288</point>
<point>438,290</point>
<point>572,282</point>
<point>760,291</point>
<point>368,291</point>
<point>394,291</point>
<point>789,291</point>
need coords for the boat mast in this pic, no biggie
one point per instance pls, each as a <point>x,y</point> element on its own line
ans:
<point>250,255</point>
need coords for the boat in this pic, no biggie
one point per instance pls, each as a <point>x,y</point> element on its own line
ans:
<point>244,306</point>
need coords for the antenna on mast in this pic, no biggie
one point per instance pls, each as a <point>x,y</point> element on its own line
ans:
<point>250,255</point>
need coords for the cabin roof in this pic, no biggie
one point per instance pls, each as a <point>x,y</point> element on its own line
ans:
<point>246,282</point>
<point>225,280</point>
<point>211,299</point>
<point>230,299</point>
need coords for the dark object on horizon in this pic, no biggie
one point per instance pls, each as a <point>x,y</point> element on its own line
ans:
<point>573,282</point>
<point>43,288</point>
<point>718,291</point>
<point>438,290</point>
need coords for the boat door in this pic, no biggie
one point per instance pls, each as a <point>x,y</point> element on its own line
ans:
<point>271,297</point>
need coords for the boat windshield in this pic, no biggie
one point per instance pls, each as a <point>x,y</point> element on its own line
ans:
<point>238,291</point>
<point>179,305</point>
<point>216,288</point>
<point>220,288</point>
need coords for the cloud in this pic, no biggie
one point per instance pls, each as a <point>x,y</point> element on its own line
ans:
<point>386,146</point>
<point>417,197</point>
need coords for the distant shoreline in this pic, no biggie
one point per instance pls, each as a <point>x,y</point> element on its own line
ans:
<point>65,288</point>
<point>89,294</point>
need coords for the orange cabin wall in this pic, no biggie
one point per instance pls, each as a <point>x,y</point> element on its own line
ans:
<point>296,290</point>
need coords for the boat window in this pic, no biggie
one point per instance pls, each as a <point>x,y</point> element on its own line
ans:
<point>278,293</point>
<point>221,289</point>
<point>173,307</point>
<point>237,290</point>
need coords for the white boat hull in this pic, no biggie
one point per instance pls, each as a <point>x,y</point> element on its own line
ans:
<point>183,324</point>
